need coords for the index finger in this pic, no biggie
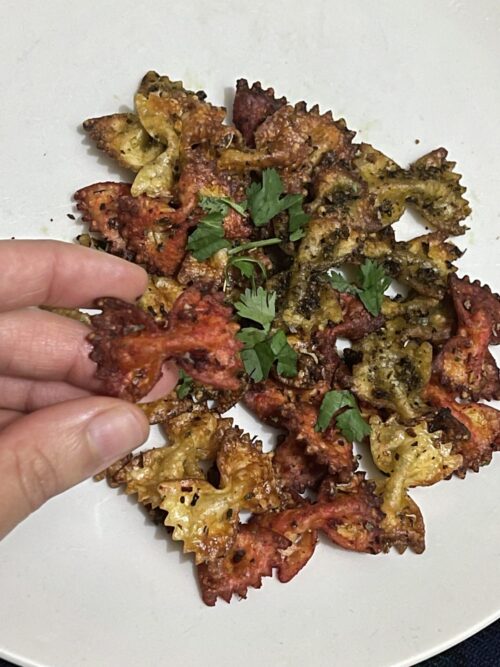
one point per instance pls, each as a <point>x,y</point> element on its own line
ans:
<point>54,273</point>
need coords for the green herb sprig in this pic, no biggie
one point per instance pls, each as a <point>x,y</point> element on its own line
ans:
<point>350,421</point>
<point>185,384</point>
<point>373,280</point>
<point>267,199</point>
<point>208,237</point>
<point>263,349</point>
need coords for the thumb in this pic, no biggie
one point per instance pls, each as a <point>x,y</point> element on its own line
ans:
<point>53,449</point>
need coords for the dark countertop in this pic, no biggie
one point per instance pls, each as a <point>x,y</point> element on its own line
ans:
<point>481,650</point>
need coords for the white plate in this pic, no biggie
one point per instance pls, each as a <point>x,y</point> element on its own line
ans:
<point>87,581</point>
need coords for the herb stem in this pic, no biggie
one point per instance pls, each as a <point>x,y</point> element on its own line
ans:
<point>253,244</point>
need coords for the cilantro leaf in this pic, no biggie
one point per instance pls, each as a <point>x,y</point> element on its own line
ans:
<point>333,401</point>
<point>221,204</point>
<point>341,284</point>
<point>185,384</point>
<point>257,305</point>
<point>261,352</point>
<point>284,354</point>
<point>213,205</point>
<point>352,425</point>
<point>264,200</point>
<point>374,282</point>
<point>297,235</point>
<point>246,265</point>
<point>208,237</point>
<point>258,360</point>
<point>297,220</point>
<point>251,336</point>
<point>350,421</point>
<point>256,356</point>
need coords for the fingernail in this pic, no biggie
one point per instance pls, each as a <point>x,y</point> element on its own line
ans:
<point>116,432</point>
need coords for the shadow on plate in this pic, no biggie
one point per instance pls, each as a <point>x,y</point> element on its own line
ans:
<point>161,532</point>
<point>112,167</point>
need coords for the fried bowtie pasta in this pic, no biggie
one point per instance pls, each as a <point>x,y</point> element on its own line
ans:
<point>270,242</point>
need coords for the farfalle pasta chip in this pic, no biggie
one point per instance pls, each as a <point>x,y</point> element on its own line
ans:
<point>205,517</point>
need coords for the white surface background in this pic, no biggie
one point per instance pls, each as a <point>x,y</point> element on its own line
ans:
<point>87,581</point>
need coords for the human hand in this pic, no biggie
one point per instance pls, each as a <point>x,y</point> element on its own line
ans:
<point>55,430</point>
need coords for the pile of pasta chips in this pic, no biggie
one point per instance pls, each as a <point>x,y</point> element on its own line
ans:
<point>266,241</point>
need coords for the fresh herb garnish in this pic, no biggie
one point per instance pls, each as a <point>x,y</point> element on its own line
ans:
<point>258,360</point>
<point>185,384</point>
<point>251,336</point>
<point>373,282</point>
<point>220,205</point>
<point>258,306</point>
<point>208,237</point>
<point>341,284</point>
<point>350,421</point>
<point>352,425</point>
<point>284,354</point>
<point>262,350</point>
<point>297,221</point>
<point>264,200</point>
<point>246,265</point>
<point>253,244</point>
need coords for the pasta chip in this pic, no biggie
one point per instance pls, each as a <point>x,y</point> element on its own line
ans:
<point>391,374</point>
<point>403,524</point>
<point>464,363</point>
<point>292,139</point>
<point>193,437</point>
<point>123,138</point>
<point>205,518</point>
<point>251,107</point>
<point>412,455</point>
<point>423,263</point>
<point>130,347</point>
<point>348,514</point>
<point>296,469</point>
<point>482,423</point>
<point>430,184</point>
<point>144,229</point>
<point>254,554</point>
